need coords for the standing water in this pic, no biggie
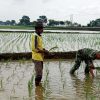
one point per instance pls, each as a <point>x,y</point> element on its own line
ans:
<point>57,83</point>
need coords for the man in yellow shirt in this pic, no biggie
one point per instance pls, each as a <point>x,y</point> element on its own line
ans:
<point>38,51</point>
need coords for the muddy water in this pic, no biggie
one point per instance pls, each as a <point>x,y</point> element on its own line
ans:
<point>57,83</point>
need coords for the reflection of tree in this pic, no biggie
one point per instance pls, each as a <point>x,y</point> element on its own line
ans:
<point>84,88</point>
<point>39,93</point>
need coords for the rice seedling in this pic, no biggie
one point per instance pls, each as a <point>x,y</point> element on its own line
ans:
<point>30,86</point>
<point>45,85</point>
<point>62,75</point>
<point>64,41</point>
<point>46,79</point>
<point>1,84</point>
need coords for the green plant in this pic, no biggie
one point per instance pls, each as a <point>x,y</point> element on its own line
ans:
<point>30,86</point>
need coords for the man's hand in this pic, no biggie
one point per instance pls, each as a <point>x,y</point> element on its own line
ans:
<point>91,72</point>
<point>91,69</point>
<point>45,51</point>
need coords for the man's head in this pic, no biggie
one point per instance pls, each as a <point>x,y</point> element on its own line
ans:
<point>39,28</point>
<point>98,55</point>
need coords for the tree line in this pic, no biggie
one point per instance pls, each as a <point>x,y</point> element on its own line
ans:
<point>25,21</point>
<point>94,23</point>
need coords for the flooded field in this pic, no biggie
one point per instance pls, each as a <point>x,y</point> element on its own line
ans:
<point>57,83</point>
<point>17,77</point>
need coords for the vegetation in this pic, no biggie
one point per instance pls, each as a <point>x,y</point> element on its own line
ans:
<point>29,27</point>
<point>25,23</point>
<point>30,86</point>
<point>94,23</point>
<point>25,20</point>
<point>17,77</point>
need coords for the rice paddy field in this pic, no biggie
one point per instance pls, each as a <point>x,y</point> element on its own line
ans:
<point>17,77</point>
<point>67,41</point>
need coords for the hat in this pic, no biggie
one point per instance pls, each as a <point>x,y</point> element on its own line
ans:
<point>38,25</point>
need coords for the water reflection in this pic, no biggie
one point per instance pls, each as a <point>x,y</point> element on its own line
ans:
<point>39,93</point>
<point>83,87</point>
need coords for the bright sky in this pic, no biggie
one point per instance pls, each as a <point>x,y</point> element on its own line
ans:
<point>82,11</point>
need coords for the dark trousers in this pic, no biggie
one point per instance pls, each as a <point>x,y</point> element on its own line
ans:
<point>38,70</point>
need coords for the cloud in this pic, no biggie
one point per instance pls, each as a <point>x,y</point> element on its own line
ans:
<point>46,1</point>
<point>19,1</point>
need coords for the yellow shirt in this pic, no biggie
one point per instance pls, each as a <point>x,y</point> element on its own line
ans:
<point>37,43</point>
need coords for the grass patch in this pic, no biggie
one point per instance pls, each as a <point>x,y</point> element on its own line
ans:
<point>17,27</point>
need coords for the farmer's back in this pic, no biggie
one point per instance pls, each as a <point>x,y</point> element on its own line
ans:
<point>86,53</point>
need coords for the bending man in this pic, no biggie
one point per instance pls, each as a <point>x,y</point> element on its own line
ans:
<point>87,55</point>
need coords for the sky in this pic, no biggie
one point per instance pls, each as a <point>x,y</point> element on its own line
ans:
<point>80,11</point>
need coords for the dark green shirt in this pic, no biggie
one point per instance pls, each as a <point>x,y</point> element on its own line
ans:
<point>87,53</point>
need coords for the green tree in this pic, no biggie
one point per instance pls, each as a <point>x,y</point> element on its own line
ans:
<point>62,23</point>
<point>43,18</point>
<point>53,22</point>
<point>13,22</point>
<point>94,23</point>
<point>68,23</point>
<point>25,20</point>
<point>8,22</point>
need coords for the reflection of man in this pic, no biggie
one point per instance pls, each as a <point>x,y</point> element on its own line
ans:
<point>84,88</point>
<point>39,93</point>
<point>87,55</point>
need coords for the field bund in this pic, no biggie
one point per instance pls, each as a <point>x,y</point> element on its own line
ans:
<point>28,55</point>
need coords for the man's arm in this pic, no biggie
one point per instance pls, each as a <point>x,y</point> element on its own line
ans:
<point>42,51</point>
<point>91,66</point>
